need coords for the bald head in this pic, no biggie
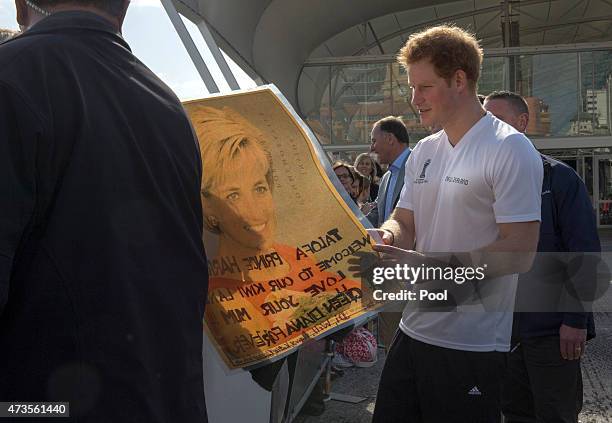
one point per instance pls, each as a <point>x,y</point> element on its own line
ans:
<point>508,107</point>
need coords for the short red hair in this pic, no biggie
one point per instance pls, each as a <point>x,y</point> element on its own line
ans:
<point>448,48</point>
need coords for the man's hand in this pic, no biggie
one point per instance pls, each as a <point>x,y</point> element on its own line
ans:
<point>381,234</point>
<point>400,226</point>
<point>572,342</point>
<point>392,255</point>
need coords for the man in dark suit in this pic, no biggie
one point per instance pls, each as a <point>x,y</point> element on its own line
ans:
<point>390,143</point>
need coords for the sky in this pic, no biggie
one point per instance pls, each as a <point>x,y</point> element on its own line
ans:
<point>150,34</point>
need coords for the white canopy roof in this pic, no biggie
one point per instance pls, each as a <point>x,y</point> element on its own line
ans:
<point>272,39</point>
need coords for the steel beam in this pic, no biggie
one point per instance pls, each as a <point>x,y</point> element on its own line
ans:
<point>190,46</point>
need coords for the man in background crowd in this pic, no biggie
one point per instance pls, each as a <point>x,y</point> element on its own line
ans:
<point>390,143</point>
<point>544,380</point>
<point>473,187</point>
<point>103,276</point>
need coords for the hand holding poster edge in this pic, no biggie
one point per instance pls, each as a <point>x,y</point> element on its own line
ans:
<point>375,236</point>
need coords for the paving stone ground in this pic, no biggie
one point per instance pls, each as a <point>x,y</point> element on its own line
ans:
<point>596,370</point>
<point>597,373</point>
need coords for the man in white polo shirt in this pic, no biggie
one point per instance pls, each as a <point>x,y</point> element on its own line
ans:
<point>472,192</point>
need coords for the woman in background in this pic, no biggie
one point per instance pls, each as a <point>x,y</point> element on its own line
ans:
<point>366,165</point>
<point>361,188</point>
<point>346,174</point>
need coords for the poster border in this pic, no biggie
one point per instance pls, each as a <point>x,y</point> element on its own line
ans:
<point>333,184</point>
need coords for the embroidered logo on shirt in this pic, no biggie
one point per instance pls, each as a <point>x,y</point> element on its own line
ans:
<point>546,192</point>
<point>421,179</point>
<point>474,391</point>
<point>427,163</point>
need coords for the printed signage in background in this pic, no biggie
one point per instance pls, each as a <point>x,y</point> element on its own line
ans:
<point>278,235</point>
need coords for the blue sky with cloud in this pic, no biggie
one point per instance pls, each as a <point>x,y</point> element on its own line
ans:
<point>152,38</point>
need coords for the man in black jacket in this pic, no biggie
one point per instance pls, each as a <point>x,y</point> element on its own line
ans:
<point>544,381</point>
<point>102,268</point>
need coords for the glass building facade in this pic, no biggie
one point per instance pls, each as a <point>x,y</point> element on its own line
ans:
<point>568,89</point>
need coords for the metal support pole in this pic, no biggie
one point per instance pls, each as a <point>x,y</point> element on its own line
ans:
<point>506,26</point>
<point>217,55</point>
<point>507,33</point>
<point>190,46</point>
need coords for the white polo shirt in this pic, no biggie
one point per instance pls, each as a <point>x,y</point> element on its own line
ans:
<point>458,196</point>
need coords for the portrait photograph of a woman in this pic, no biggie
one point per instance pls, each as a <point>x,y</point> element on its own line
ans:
<point>277,234</point>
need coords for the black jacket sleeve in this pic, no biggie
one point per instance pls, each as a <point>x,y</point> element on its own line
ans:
<point>578,229</point>
<point>575,212</point>
<point>17,179</point>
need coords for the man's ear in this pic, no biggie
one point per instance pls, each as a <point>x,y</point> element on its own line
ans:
<point>23,18</point>
<point>523,121</point>
<point>461,80</point>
